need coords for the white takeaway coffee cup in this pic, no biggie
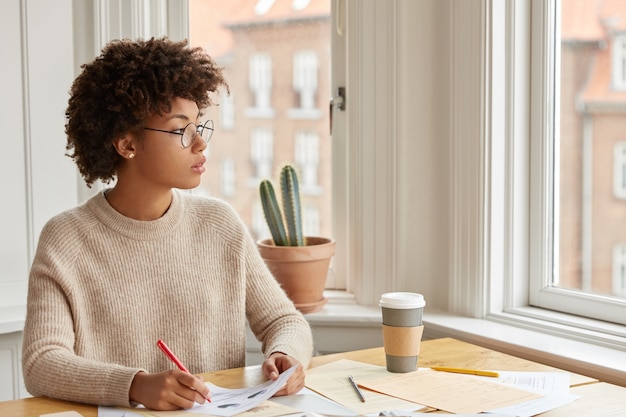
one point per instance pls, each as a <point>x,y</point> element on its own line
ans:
<point>402,329</point>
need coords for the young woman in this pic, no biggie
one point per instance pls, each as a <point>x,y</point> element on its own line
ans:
<point>142,260</point>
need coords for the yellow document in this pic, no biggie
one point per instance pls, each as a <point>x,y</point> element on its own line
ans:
<point>331,381</point>
<point>455,393</point>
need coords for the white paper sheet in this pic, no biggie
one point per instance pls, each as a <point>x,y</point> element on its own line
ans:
<point>554,386</point>
<point>224,402</point>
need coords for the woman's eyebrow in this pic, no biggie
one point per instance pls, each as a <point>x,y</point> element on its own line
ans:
<point>182,116</point>
<point>178,116</point>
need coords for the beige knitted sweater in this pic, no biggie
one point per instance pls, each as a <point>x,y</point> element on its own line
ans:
<point>104,288</point>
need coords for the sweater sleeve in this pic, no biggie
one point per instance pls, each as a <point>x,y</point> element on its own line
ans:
<point>50,365</point>
<point>272,316</point>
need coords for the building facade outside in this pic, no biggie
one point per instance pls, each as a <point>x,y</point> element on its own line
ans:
<point>275,56</point>
<point>593,147</point>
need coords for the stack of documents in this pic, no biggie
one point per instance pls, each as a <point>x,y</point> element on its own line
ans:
<point>330,393</point>
<point>522,394</point>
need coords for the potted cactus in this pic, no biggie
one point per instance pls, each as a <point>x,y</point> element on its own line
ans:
<point>299,263</point>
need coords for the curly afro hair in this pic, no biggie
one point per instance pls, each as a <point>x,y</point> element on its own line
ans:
<point>128,82</point>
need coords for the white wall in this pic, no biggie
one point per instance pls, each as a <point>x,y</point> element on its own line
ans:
<point>35,77</point>
<point>38,181</point>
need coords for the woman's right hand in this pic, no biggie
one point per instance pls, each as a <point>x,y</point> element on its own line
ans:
<point>169,390</point>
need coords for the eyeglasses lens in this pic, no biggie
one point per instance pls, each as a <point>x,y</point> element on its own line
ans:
<point>205,131</point>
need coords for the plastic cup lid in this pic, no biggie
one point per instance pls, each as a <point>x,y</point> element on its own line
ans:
<point>402,300</point>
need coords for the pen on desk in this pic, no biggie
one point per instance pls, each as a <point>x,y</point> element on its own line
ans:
<point>356,388</point>
<point>168,352</point>
<point>465,371</point>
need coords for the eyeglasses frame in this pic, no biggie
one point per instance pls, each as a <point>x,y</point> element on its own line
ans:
<point>181,132</point>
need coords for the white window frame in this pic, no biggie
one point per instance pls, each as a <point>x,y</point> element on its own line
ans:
<point>499,235</point>
<point>543,100</point>
<point>503,267</point>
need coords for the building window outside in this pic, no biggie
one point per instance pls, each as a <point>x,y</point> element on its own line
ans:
<point>305,85</point>
<point>307,158</point>
<point>619,170</point>
<point>261,80</point>
<point>261,152</point>
<point>310,220</point>
<point>299,4</point>
<point>619,270</point>
<point>229,177</point>
<point>227,111</point>
<point>258,224</point>
<point>619,62</point>
<point>305,68</point>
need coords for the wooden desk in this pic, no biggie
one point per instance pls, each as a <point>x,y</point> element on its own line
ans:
<point>598,399</point>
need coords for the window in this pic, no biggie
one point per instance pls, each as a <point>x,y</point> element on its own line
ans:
<point>306,85</point>
<point>227,111</point>
<point>619,62</point>
<point>307,159</point>
<point>619,270</point>
<point>258,226</point>
<point>261,152</point>
<point>260,81</point>
<point>305,67</point>
<point>229,177</point>
<point>619,170</point>
<point>311,220</point>
<point>588,168</point>
<point>534,220</point>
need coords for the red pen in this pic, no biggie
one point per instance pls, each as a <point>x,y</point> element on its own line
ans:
<point>168,352</point>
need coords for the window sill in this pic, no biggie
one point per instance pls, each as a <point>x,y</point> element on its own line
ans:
<point>573,350</point>
<point>574,353</point>
<point>342,310</point>
<point>12,319</point>
<point>304,114</point>
<point>260,113</point>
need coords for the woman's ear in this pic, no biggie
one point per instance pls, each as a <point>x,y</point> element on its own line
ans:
<point>125,146</point>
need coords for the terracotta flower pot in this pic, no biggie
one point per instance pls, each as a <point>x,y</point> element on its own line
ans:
<point>300,270</point>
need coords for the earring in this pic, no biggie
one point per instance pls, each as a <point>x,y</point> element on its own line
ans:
<point>131,155</point>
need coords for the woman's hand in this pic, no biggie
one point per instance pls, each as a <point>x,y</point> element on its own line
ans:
<point>169,390</point>
<point>279,362</point>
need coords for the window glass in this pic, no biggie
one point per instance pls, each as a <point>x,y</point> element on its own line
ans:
<point>592,156</point>
<point>276,56</point>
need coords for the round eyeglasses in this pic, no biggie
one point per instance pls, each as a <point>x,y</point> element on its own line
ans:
<point>188,133</point>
